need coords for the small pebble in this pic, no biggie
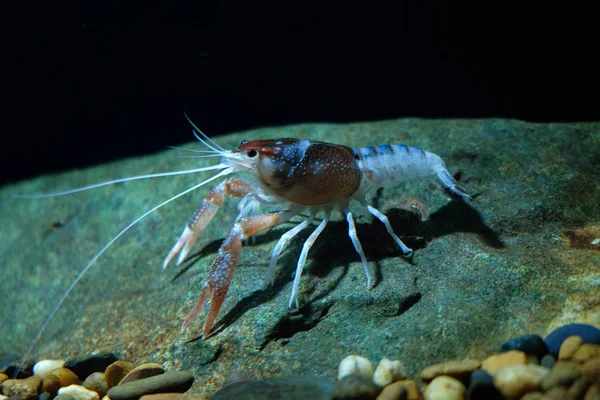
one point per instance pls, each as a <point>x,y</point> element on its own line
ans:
<point>391,392</point>
<point>143,371</point>
<point>569,347</point>
<point>97,383</point>
<point>588,333</point>
<point>481,386</point>
<point>401,390</point>
<point>51,384</point>
<point>177,381</point>
<point>548,361</point>
<point>529,344</point>
<point>564,373</point>
<point>590,369</point>
<point>496,362</point>
<point>355,387</point>
<point>355,365</point>
<point>79,392</point>
<point>65,396</point>
<point>44,367</point>
<point>578,388</point>
<point>460,370</point>
<point>116,371</point>
<point>84,366</point>
<point>585,352</point>
<point>388,371</point>
<point>517,380</point>
<point>24,388</point>
<point>445,388</point>
<point>66,377</point>
<point>3,377</point>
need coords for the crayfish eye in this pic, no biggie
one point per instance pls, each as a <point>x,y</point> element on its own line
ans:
<point>252,153</point>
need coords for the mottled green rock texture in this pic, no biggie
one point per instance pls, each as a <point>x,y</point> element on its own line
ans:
<point>523,257</point>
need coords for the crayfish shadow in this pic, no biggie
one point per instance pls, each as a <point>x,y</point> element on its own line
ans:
<point>334,249</point>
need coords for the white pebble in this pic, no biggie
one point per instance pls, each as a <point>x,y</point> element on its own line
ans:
<point>595,241</point>
<point>79,392</point>
<point>388,371</point>
<point>445,388</point>
<point>355,365</point>
<point>43,368</point>
<point>517,380</point>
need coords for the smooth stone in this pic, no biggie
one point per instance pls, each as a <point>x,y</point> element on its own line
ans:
<point>482,387</point>
<point>548,361</point>
<point>569,347</point>
<point>116,371</point>
<point>143,371</point>
<point>79,392</point>
<point>398,388</point>
<point>355,365</point>
<point>24,388</point>
<point>588,333</point>
<point>65,396</point>
<point>445,388</point>
<point>66,377</point>
<point>51,384</point>
<point>97,383</point>
<point>177,381</point>
<point>564,373</point>
<point>355,387</point>
<point>529,344</point>
<point>84,366</point>
<point>496,362</point>
<point>3,377</point>
<point>460,370</point>
<point>44,367</point>
<point>279,387</point>
<point>578,388</point>
<point>517,380</point>
<point>388,371</point>
<point>590,369</point>
<point>585,352</point>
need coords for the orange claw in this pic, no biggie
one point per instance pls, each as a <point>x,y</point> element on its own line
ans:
<point>221,272</point>
<point>216,286</point>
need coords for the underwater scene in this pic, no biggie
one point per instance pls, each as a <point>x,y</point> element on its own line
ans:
<point>519,261</point>
<point>300,200</point>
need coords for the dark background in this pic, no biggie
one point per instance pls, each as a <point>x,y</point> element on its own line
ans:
<point>90,82</point>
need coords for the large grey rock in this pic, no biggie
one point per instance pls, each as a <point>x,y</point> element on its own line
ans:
<point>520,259</point>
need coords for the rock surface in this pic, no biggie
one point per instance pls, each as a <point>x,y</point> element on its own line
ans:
<point>520,258</point>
